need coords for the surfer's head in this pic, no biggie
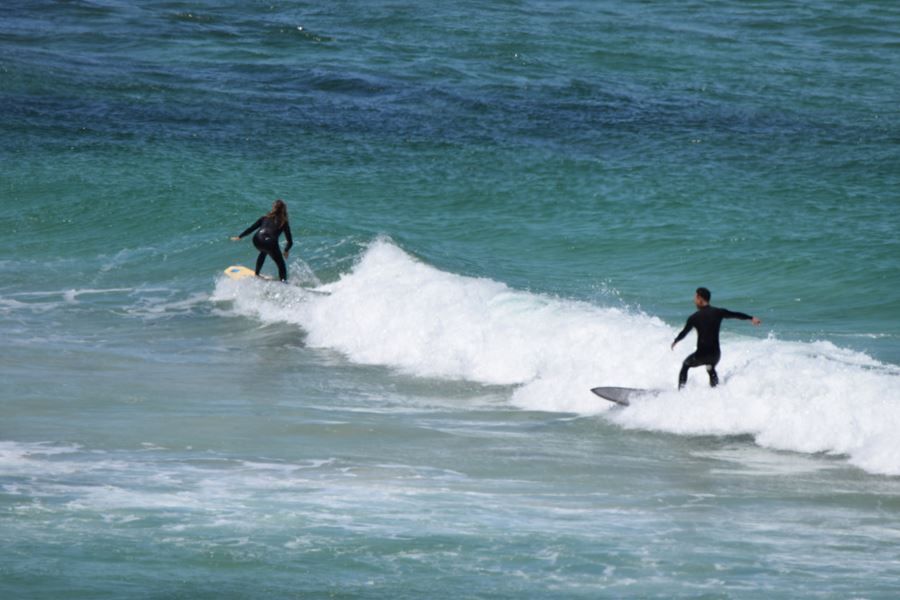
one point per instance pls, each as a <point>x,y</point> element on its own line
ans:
<point>702,297</point>
<point>279,211</point>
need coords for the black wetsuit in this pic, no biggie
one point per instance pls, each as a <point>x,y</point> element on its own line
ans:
<point>266,241</point>
<point>707,322</point>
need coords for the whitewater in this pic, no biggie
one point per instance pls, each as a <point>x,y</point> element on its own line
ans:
<point>394,310</point>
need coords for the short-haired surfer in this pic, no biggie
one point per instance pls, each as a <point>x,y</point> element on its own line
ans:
<point>271,225</point>
<point>707,321</point>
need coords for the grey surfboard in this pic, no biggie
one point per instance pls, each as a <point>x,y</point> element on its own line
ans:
<point>622,395</point>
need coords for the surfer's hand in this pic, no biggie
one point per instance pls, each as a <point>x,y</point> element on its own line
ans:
<point>755,321</point>
<point>287,253</point>
<point>235,238</point>
<point>673,345</point>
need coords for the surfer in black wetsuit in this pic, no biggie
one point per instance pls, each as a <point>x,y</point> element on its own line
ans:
<point>707,321</point>
<point>271,225</point>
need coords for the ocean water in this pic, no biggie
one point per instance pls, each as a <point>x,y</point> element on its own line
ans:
<point>496,206</point>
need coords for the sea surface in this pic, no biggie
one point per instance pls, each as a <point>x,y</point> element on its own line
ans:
<point>496,206</point>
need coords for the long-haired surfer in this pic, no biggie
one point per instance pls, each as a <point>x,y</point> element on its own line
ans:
<point>271,225</point>
<point>707,321</point>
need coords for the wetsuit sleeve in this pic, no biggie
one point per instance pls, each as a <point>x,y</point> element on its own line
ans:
<point>287,236</point>
<point>730,314</point>
<point>687,327</point>
<point>253,227</point>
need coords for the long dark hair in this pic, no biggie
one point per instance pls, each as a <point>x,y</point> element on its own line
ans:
<point>278,213</point>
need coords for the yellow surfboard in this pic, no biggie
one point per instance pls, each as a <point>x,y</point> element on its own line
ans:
<point>238,272</point>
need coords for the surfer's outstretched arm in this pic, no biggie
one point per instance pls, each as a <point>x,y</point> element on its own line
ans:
<point>687,328</point>
<point>250,229</point>
<point>730,314</point>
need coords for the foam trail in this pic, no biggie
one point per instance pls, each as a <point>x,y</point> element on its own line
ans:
<point>396,311</point>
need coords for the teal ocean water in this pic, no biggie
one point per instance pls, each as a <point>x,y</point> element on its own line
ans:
<point>496,206</point>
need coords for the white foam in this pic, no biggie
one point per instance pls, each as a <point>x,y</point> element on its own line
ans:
<point>45,301</point>
<point>21,453</point>
<point>72,293</point>
<point>37,459</point>
<point>155,307</point>
<point>394,310</point>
